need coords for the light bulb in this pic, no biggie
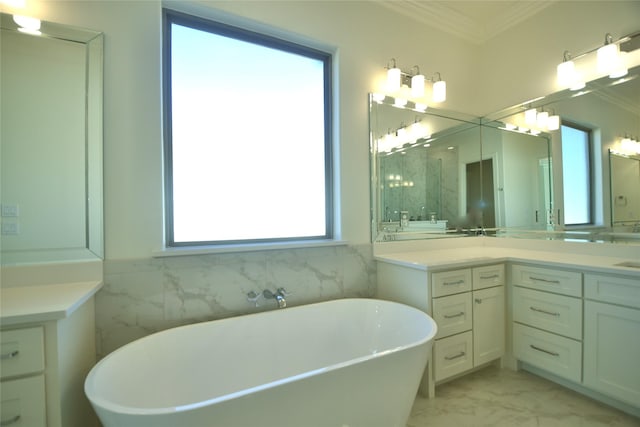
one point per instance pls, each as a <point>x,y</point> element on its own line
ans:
<point>619,67</point>
<point>553,122</point>
<point>439,91</point>
<point>420,107</point>
<point>27,22</point>
<point>541,119</point>
<point>417,86</point>
<point>566,73</point>
<point>530,116</point>
<point>393,79</point>
<point>607,58</point>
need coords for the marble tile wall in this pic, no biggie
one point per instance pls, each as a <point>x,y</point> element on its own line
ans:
<point>143,296</point>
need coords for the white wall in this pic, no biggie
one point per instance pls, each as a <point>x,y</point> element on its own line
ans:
<point>520,64</point>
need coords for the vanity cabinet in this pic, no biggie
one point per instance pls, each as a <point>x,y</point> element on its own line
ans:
<point>612,336</point>
<point>22,377</point>
<point>547,315</point>
<point>46,356</point>
<point>468,306</point>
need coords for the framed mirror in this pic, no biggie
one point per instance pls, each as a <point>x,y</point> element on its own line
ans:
<point>605,111</point>
<point>51,150</point>
<point>426,168</point>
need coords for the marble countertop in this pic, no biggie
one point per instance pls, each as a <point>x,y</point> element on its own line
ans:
<point>469,256</point>
<point>41,303</point>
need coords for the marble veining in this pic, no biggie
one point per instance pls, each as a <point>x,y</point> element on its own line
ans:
<point>504,398</point>
<point>143,296</point>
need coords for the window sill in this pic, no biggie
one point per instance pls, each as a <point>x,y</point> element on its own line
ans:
<point>249,247</point>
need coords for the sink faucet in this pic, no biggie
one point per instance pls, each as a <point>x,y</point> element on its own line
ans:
<point>278,295</point>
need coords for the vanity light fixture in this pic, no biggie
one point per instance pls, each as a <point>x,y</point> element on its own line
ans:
<point>394,77</point>
<point>608,55</point>
<point>530,116</point>
<point>568,76</point>
<point>417,84</point>
<point>609,61</point>
<point>27,24</point>
<point>553,122</point>
<point>620,67</point>
<point>629,145</point>
<point>411,85</point>
<point>542,119</point>
<point>420,107</point>
<point>439,89</point>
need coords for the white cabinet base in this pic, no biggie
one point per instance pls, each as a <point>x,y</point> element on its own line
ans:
<point>612,345</point>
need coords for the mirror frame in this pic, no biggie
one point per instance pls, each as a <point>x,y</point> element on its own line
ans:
<point>94,200</point>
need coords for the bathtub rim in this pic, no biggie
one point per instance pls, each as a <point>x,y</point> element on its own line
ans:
<point>117,408</point>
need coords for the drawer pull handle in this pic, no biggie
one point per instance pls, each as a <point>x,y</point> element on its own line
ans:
<point>455,356</point>
<point>459,282</point>
<point>10,421</point>
<point>539,310</point>
<point>539,279</point>
<point>478,301</point>
<point>494,276</point>
<point>10,356</point>
<point>452,316</point>
<point>553,353</point>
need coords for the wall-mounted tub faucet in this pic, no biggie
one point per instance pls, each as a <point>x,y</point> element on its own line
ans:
<point>278,295</point>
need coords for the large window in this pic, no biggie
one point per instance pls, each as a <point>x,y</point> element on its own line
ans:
<point>576,175</point>
<point>247,136</point>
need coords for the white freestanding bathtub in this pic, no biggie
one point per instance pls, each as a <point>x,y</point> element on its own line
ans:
<point>350,362</point>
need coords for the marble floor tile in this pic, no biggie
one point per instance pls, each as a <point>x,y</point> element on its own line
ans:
<point>503,398</point>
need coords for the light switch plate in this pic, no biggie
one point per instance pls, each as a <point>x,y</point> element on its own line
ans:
<point>10,228</point>
<point>10,210</point>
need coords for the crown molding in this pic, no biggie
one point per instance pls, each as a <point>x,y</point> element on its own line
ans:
<point>451,18</point>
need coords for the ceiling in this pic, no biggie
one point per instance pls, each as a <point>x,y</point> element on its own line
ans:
<point>474,21</point>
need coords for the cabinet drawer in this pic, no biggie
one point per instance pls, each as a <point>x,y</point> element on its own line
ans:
<point>453,314</point>
<point>616,290</point>
<point>23,402</point>
<point>558,355</point>
<point>452,355</point>
<point>22,351</point>
<point>548,279</point>
<point>451,282</point>
<point>488,276</point>
<point>554,313</point>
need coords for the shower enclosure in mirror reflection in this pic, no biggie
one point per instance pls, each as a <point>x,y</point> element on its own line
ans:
<point>426,168</point>
<point>51,136</point>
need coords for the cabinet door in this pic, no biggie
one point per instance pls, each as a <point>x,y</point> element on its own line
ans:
<point>612,351</point>
<point>488,325</point>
